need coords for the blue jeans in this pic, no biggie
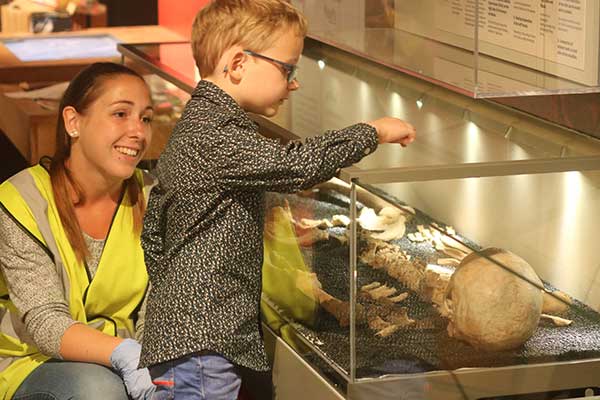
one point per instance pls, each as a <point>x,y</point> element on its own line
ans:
<point>66,380</point>
<point>196,376</point>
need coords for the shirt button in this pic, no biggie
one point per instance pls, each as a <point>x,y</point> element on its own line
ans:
<point>367,151</point>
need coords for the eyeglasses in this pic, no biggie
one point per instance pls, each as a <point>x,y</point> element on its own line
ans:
<point>290,69</point>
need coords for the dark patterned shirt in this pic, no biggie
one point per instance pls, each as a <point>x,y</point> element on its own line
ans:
<point>203,229</point>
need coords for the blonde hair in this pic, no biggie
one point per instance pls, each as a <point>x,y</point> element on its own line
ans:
<point>253,24</point>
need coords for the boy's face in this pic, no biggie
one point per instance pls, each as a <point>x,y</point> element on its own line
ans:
<point>266,81</point>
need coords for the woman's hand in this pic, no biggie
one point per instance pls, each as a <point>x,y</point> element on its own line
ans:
<point>125,359</point>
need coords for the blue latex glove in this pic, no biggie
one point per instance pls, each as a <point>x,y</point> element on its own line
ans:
<point>125,359</point>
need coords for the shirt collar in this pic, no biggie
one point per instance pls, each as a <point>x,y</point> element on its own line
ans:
<point>212,93</point>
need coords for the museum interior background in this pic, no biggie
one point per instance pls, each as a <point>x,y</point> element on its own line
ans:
<point>490,169</point>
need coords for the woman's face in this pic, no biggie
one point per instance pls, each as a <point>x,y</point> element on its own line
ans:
<point>114,131</point>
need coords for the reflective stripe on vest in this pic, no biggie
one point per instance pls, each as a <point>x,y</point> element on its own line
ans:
<point>107,303</point>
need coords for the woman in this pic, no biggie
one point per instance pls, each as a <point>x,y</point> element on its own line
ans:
<point>73,274</point>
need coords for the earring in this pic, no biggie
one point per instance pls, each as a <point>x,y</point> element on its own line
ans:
<point>226,69</point>
<point>74,134</point>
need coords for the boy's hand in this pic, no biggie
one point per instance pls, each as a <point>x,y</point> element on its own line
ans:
<point>394,130</point>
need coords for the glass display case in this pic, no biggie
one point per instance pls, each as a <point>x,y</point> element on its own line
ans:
<point>358,271</point>
<point>359,280</point>
<point>485,48</point>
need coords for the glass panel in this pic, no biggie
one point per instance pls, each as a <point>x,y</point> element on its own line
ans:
<point>485,48</point>
<point>172,61</point>
<point>169,102</point>
<point>305,277</point>
<point>412,239</point>
<point>415,254</point>
<point>545,218</point>
<point>451,129</point>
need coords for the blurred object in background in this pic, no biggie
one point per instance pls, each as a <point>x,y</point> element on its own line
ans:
<point>89,14</point>
<point>16,16</point>
<point>2,3</point>
<point>134,12</point>
<point>49,3</point>
<point>380,14</point>
<point>44,16</point>
<point>12,160</point>
<point>45,22</point>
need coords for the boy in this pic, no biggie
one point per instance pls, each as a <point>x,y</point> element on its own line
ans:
<point>203,231</point>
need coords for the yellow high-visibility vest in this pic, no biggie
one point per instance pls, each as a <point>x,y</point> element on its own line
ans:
<point>287,282</point>
<point>108,303</point>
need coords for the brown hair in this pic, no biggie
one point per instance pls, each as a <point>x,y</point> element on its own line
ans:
<point>83,90</point>
<point>253,24</point>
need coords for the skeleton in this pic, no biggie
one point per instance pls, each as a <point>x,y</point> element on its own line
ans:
<point>399,265</point>
<point>556,302</point>
<point>490,307</point>
<point>390,222</point>
<point>431,283</point>
<point>442,240</point>
<point>383,293</point>
<point>308,232</point>
<point>378,310</point>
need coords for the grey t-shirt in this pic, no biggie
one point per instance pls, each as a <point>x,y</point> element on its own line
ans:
<point>34,287</point>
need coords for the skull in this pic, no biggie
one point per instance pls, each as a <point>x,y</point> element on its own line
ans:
<point>492,308</point>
